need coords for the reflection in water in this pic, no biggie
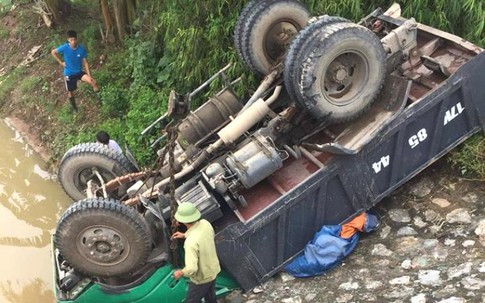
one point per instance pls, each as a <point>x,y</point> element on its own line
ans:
<point>30,204</point>
<point>33,241</point>
<point>35,289</point>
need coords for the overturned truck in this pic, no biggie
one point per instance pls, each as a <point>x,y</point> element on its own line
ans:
<point>344,115</point>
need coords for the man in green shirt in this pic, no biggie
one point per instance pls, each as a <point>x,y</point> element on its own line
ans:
<point>201,262</point>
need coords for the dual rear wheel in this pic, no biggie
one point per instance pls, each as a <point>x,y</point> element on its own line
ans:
<point>265,29</point>
<point>333,68</point>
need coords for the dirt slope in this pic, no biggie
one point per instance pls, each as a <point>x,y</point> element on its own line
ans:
<point>31,85</point>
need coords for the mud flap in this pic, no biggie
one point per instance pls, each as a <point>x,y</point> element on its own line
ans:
<point>130,157</point>
<point>390,102</point>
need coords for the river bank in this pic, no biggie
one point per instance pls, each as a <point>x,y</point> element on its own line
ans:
<point>31,136</point>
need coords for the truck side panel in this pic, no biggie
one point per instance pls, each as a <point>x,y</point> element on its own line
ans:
<point>425,131</point>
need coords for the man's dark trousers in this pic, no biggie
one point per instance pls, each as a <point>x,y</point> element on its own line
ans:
<point>198,291</point>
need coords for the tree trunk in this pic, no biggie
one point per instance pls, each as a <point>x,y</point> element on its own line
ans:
<point>117,16</point>
<point>130,10</point>
<point>121,19</point>
<point>53,7</point>
<point>58,9</point>
<point>109,36</point>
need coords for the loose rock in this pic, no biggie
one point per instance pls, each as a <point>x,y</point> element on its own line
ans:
<point>349,286</point>
<point>399,215</point>
<point>459,215</point>
<point>286,277</point>
<point>400,280</point>
<point>473,283</point>
<point>385,232</point>
<point>480,230</point>
<point>373,284</point>
<point>430,215</point>
<point>430,277</point>
<point>453,300</point>
<point>421,189</point>
<point>406,264</point>
<point>462,269</point>
<point>470,198</point>
<point>310,297</point>
<point>420,298</point>
<point>418,221</point>
<point>406,231</point>
<point>441,202</point>
<point>381,250</point>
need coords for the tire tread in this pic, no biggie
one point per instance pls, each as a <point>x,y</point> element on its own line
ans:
<point>85,209</point>
<point>316,49</point>
<point>90,150</point>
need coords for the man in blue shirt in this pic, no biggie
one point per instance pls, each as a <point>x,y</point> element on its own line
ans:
<point>74,56</point>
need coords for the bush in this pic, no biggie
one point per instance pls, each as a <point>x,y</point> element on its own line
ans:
<point>115,103</point>
<point>90,37</point>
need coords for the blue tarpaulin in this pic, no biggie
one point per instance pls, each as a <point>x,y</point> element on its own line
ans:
<point>329,247</point>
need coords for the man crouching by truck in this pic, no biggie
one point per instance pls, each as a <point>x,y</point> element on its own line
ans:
<point>201,262</point>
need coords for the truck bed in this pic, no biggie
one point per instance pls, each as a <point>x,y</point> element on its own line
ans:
<point>350,170</point>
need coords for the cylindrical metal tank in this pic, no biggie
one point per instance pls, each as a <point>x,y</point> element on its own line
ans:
<point>209,117</point>
<point>255,161</point>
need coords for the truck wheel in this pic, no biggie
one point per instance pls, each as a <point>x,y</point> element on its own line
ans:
<point>295,52</point>
<point>268,31</point>
<point>240,23</point>
<point>79,163</point>
<point>341,73</point>
<point>102,237</point>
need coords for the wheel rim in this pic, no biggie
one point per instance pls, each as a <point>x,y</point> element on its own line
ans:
<point>103,245</point>
<point>82,176</point>
<point>278,38</point>
<point>345,77</point>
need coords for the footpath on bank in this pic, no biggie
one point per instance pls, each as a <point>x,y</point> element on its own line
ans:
<point>430,247</point>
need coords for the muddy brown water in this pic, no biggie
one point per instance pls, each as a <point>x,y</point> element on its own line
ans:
<point>31,201</point>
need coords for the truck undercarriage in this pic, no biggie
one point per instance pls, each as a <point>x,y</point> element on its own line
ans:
<point>344,115</point>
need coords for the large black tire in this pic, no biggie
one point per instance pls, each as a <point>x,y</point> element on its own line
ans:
<point>342,72</point>
<point>298,51</point>
<point>76,168</point>
<point>103,238</point>
<point>241,21</point>
<point>268,30</point>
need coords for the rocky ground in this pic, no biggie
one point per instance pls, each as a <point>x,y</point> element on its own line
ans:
<point>430,247</point>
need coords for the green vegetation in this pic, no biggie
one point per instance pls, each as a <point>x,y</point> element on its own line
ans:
<point>174,45</point>
<point>3,33</point>
<point>8,83</point>
<point>5,5</point>
<point>29,84</point>
<point>470,158</point>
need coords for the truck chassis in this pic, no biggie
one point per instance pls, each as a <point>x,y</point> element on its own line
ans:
<point>270,184</point>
